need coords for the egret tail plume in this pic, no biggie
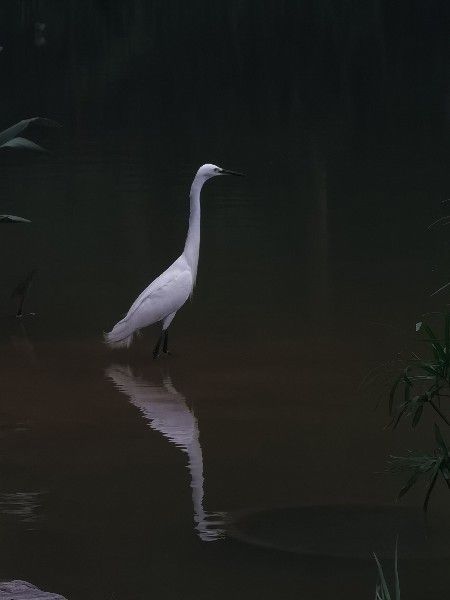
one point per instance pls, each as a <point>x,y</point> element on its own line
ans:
<point>121,335</point>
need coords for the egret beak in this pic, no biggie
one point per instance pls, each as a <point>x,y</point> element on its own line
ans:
<point>226,172</point>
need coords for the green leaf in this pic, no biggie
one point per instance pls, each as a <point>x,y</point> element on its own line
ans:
<point>392,393</point>
<point>445,473</point>
<point>407,393</point>
<point>399,416</point>
<point>397,580</point>
<point>429,368</point>
<point>382,581</point>
<point>441,221</point>
<point>405,375</point>
<point>442,288</point>
<point>13,219</point>
<point>425,327</point>
<point>430,487</point>
<point>408,485</point>
<point>439,439</point>
<point>24,126</point>
<point>438,349</point>
<point>447,332</point>
<point>20,143</point>
<point>417,415</point>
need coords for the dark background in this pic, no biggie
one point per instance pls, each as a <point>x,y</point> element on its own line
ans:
<point>314,269</point>
<point>337,111</point>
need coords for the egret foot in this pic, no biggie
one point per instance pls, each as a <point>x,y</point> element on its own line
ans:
<point>21,291</point>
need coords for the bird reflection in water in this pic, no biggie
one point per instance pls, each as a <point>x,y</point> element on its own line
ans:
<point>167,412</point>
<point>22,343</point>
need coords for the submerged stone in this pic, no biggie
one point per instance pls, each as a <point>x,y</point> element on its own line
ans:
<point>22,590</point>
<point>343,531</point>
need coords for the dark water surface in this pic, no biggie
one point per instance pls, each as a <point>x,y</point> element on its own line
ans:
<point>117,473</point>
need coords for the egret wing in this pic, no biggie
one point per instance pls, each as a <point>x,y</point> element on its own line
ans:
<point>163,299</point>
<point>168,275</point>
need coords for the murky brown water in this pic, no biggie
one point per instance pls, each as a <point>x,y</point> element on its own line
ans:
<point>118,473</point>
<point>107,504</point>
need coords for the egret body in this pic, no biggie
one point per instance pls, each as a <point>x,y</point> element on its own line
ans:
<point>161,300</point>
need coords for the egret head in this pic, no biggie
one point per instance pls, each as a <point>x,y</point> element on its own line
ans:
<point>207,171</point>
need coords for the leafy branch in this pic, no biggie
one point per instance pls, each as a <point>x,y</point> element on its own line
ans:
<point>424,385</point>
<point>431,465</point>
<point>382,589</point>
<point>423,382</point>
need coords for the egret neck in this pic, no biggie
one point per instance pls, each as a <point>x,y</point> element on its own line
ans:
<point>192,245</point>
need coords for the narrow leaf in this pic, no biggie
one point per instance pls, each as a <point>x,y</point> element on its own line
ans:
<point>445,472</point>
<point>15,130</point>
<point>430,488</point>
<point>442,288</point>
<point>436,344</point>
<point>447,333</point>
<point>439,439</point>
<point>440,221</point>
<point>399,416</point>
<point>439,412</point>
<point>392,393</point>
<point>407,393</point>
<point>417,415</point>
<point>382,580</point>
<point>408,485</point>
<point>397,580</point>
<point>20,143</point>
<point>12,219</point>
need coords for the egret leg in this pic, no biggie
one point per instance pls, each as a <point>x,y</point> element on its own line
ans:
<point>19,312</point>
<point>165,332</point>
<point>166,342</point>
<point>21,291</point>
<point>158,346</point>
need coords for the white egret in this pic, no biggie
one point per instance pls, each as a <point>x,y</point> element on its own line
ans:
<point>161,300</point>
